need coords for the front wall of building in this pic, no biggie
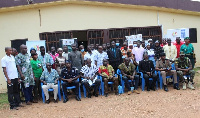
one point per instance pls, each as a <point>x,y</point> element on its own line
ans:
<point>26,23</point>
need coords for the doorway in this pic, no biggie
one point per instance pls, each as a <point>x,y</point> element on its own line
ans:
<point>81,38</point>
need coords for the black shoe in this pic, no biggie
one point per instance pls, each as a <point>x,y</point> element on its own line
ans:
<point>165,88</point>
<point>89,95</point>
<point>176,87</point>
<point>77,98</point>
<point>148,89</point>
<point>116,93</point>
<point>106,95</point>
<point>96,95</point>
<point>20,105</point>
<point>65,100</point>
<point>47,101</point>
<point>13,108</point>
<point>152,88</point>
<point>56,101</point>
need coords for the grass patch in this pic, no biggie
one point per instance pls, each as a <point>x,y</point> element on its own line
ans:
<point>4,100</point>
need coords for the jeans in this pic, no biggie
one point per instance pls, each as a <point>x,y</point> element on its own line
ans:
<point>136,78</point>
<point>28,93</point>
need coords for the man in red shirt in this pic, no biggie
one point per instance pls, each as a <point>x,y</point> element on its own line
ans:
<point>178,44</point>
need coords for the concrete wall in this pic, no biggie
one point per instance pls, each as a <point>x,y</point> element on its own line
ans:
<point>26,23</point>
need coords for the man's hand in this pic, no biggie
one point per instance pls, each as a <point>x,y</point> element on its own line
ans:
<point>69,80</point>
<point>56,81</point>
<point>44,83</point>
<point>132,78</point>
<point>148,73</point>
<point>22,76</point>
<point>9,81</point>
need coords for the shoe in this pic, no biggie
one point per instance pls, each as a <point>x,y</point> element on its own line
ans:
<point>152,88</point>
<point>65,100</point>
<point>106,94</point>
<point>77,98</point>
<point>89,95</point>
<point>20,105</point>
<point>116,93</point>
<point>190,85</point>
<point>96,95</point>
<point>14,108</point>
<point>148,89</point>
<point>136,91</point>
<point>47,101</point>
<point>176,86</point>
<point>56,101</point>
<point>165,88</point>
<point>184,86</point>
<point>129,92</point>
<point>35,101</point>
<point>28,103</point>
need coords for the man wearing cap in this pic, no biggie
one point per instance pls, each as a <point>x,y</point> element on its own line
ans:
<point>170,50</point>
<point>157,50</point>
<point>184,67</point>
<point>178,45</point>
<point>150,41</point>
<point>69,77</point>
<point>188,50</point>
<point>163,65</point>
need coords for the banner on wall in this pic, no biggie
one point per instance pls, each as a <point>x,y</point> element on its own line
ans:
<point>133,38</point>
<point>68,41</point>
<point>173,33</point>
<point>36,45</point>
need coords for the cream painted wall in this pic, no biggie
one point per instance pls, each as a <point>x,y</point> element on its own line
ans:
<point>26,24</point>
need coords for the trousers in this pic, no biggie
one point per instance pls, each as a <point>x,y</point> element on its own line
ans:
<point>181,74</point>
<point>96,85</point>
<point>47,87</point>
<point>74,83</point>
<point>136,78</point>
<point>170,73</point>
<point>115,83</point>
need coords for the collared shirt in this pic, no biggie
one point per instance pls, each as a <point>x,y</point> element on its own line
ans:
<point>65,55</point>
<point>124,52</point>
<point>127,69</point>
<point>100,57</point>
<point>187,49</point>
<point>67,74</point>
<point>184,64</point>
<point>83,54</point>
<point>106,70</point>
<point>161,65</point>
<point>91,56</point>
<point>94,51</point>
<point>9,63</point>
<point>23,61</point>
<point>89,71</point>
<point>157,51</point>
<point>49,77</point>
<point>46,59</point>
<point>138,52</point>
<point>178,47</point>
<point>146,66</point>
<point>170,51</point>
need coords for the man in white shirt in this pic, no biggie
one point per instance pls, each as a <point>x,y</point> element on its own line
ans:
<point>138,52</point>
<point>101,55</point>
<point>11,75</point>
<point>170,50</point>
<point>90,55</point>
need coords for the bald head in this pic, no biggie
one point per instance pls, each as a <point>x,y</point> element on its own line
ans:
<point>8,50</point>
<point>23,49</point>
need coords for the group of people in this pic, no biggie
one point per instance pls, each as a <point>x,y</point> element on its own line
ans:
<point>79,66</point>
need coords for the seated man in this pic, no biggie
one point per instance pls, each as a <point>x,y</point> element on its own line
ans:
<point>128,70</point>
<point>49,78</point>
<point>89,73</point>
<point>146,66</point>
<point>69,78</point>
<point>184,67</point>
<point>163,65</point>
<point>108,74</point>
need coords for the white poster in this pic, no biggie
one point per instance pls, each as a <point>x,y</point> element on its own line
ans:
<point>133,38</point>
<point>36,45</point>
<point>68,41</point>
<point>173,33</point>
<point>139,37</point>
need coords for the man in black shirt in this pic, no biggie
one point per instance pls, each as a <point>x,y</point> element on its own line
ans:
<point>157,50</point>
<point>69,78</point>
<point>146,66</point>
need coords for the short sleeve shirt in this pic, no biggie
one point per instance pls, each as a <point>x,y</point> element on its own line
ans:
<point>49,77</point>
<point>127,69</point>
<point>89,71</point>
<point>91,56</point>
<point>106,70</point>
<point>46,59</point>
<point>187,49</point>
<point>37,68</point>
<point>100,57</point>
<point>67,74</point>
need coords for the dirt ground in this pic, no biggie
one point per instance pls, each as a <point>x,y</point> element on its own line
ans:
<point>157,104</point>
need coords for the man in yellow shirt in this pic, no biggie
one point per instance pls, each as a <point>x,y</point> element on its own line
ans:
<point>170,50</point>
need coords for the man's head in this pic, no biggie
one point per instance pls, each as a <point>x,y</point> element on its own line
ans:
<point>92,46</point>
<point>60,51</point>
<point>81,48</point>
<point>100,49</point>
<point>42,50</point>
<point>34,55</point>
<point>73,46</point>
<point>143,44</point>
<point>162,55</point>
<point>169,41</point>
<point>148,46</point>
<point>89,62</point>
<point>104,46</point>
<point>146,56</point>
<point>108,45</point>
<point>89,48</point>
<point>182,55</point>
<point>150,41</point>
<point>178,40</point>
<point>105,62</point>
<point>157,43</point>
<point>138,44</point>
<point>68,64</point>
<point>113,44</point>
<point>8,50</point>
<point>127,61</point>
<point>129,54</point>
<point>187,40</point>
<point>53,49</point>
<point>164,41</point>
<point>23,49</point>
<point>32,50</point>
<point>65,49</point>
<point>125,45</point>
<point>117,43</point>
<point>48,66</point>
<point>134,43</point>
<point>14,52</point>
<point>96,46</point>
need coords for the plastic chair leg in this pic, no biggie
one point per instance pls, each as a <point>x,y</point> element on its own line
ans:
<point>84,91</point>
<point>102,88</point>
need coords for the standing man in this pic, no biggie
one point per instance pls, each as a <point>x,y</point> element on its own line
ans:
<point>54,55</point>
<point>115,56</point>
<point>125,50</point>
<point>26,73</point>
<point>101,56</point>
<point>157,50</point>
<point>188,50</point>
<point>108,75</point>
<point>69,77</point>
<point>128,70</point>
<point>108,46</point>
<point>163,65</point>
<point>138,52</point>
<point>150,41</point>
<point>65,52</point>
<point>90,55</point>
<point>104,47</point>
<point>14,52</point>
<point>44,57</point>
<point>146,66</point>
<point>178,45</point>
<point>184,67</point>
<point>50,78</point>
<point>89,73</point>
<point>170,50</point>
<point>75,57</point>
<point>82,49</point>
<point>10,72</point>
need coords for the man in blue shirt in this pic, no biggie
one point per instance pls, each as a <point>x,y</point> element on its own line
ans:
<point>49,78</point>
<point>69,76</point>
